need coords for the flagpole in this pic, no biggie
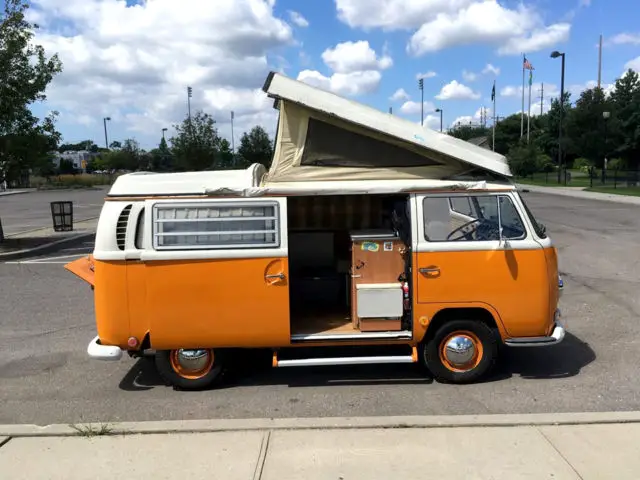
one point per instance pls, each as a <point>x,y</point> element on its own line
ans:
<point>522,109</point>
<point>494,115</point>
<point>529,111</point>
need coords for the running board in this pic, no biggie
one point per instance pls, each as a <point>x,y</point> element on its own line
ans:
<point>320,362</point>
<point>323,337</point>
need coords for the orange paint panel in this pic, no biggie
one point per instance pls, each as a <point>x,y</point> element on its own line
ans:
<point>83,268</point>
<point>110,294</point>
<point>217,303</point>
<point>137,294</point>
<point>514,282</point>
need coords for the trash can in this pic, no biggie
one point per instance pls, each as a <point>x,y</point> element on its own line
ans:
<point>62,215</point>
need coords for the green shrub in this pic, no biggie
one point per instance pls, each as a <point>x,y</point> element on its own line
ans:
<point>72,181</point>
<point>617,164</point>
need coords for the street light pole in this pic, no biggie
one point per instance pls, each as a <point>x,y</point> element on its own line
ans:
<point>556,54</point>
<point>605,116</point>
<point>439,110</point>
<point>106,138</point>
<point>163,130</point>
<point>421,87</point>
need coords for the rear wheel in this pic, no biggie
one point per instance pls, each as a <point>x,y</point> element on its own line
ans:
<point>189,369</point>
<point>461,351</point>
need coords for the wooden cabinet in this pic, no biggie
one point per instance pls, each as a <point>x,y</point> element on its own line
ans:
<point>377,260</point>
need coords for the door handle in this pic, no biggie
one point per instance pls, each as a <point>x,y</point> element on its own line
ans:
<point>429,270</point>
<point>276,275</point>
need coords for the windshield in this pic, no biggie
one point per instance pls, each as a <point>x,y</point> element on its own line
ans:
<point>539,228</point>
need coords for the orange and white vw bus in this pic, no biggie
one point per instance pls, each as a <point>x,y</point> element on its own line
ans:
<point>396,243</point>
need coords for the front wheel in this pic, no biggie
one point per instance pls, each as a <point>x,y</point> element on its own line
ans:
<point>461,351</point>
<point>189,369</point>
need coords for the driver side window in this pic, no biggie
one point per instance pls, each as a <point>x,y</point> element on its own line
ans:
<point>471,218</point>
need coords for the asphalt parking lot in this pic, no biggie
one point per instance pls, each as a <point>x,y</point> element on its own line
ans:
<point>47,320</point>
<point>24,212</point>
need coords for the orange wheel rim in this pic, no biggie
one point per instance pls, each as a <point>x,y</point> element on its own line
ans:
<point>461,351</point>
<point>192,364</point>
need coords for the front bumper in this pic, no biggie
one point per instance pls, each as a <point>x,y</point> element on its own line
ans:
<point>103,352</point>
<point>557,335</point>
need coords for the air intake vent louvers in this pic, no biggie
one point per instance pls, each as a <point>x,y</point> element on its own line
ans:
<point>121,227</point>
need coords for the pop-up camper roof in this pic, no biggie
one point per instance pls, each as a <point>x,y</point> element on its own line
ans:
<point>324,137</point>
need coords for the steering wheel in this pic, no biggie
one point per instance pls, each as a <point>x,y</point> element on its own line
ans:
<point>465,234</point>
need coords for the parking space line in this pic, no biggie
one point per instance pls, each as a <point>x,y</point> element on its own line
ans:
<point>60,259</point>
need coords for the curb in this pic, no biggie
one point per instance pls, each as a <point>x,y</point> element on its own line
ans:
<point>45,248</point>
<point>19,192</point>
<point>581,194</point>
<point>226,425</point>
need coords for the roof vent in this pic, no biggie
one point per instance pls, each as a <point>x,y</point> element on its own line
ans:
<point>121,226</point>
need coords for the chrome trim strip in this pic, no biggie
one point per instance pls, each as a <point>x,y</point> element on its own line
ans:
<point>317,337</point>
<point>317,362</point>
<point>556,337</point>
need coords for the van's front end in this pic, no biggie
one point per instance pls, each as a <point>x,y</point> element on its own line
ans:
<point>554,328</point>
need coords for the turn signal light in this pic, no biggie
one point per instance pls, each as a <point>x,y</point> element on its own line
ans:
<point>132,342</point>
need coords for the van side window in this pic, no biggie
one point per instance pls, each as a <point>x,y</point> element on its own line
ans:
<point>215,226</point>
<point>471,218</point>
<point>139,230</point>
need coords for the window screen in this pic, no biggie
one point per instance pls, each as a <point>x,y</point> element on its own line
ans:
<point>249,225</point>
<point>328,145</point>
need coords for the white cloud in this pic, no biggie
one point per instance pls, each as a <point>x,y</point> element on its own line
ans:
<point>469,76</point>
<point>349,57</point>
<point>133,63</point>
<point>398,95</point>
<point>633,65</point>
<point>625,38</point>
<point>429,74</point>
<point>446,23</point>
<point>411,108</point>
<point>577,89</point>
<point>463,120</point>
<point>550,90</point>
<point>393,14</point>
<point>490,69</point>
<point>456,91</point>
<point>537,40</point>
<point>298,19</point>
<point>432,122</point>
<point>355,69</point>
<point>351,84</point>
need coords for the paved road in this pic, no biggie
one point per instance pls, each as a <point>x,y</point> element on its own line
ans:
<point>32,210</point>
<point>47,320</point>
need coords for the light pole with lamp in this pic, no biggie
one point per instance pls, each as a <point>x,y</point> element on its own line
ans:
<point>439,110</point>
<point>421,87</point>
<point>605,116</point>
<point>106,138</point>
<point>163,130</point>
<point>556,54</point>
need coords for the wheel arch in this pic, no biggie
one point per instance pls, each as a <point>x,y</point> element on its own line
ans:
<point>484,314</point>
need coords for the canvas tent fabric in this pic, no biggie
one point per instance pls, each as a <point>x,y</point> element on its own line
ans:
<point>324,137</point>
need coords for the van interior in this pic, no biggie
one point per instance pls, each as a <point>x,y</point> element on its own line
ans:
<point>349,258</point>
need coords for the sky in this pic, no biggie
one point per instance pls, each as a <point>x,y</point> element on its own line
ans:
<point>132,61</point>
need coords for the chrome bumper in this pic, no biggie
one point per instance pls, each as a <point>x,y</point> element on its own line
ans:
<point>557,335</point>
<point>103,352</point>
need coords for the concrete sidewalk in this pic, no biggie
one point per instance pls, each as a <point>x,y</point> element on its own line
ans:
<point>558,446</point>
<point>579,192</point>
<point>45,240</point>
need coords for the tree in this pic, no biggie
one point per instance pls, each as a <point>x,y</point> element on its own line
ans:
<point>162,158</point>
<point>507,133</point>
<point>225,158</point>
<point>256,147</point>
<point>625,100</point>
<point>76,147</point>
<point>25,73</point>
<point>467,132</point>
<point>525,160</point>
<point>115,145</point>
<point>585,126</point>
<point>195,144</point>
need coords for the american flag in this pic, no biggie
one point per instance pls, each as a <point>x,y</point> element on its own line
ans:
<point>527,65</point>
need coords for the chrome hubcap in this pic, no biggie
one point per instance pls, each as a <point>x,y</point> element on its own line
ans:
<point>193,360</point>
<point>460,350</point>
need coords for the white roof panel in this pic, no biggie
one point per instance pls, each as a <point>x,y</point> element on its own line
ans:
<point>185,183</point>
<point>279,86</point>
